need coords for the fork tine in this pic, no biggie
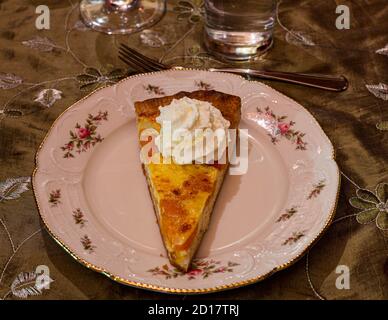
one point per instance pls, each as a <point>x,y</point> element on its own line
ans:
<point>143,58</point>
<point>136,62</point>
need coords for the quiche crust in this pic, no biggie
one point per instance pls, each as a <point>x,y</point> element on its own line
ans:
<point>183,196</point>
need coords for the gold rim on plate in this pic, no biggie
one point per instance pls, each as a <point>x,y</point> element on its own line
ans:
<point>169,289</point>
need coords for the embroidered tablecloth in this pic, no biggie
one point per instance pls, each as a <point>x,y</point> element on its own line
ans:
<point>42,72</point>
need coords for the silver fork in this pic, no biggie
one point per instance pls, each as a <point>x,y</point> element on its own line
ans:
<point>141,63</point>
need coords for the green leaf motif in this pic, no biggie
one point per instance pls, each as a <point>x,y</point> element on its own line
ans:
<point>360,204</point>
<point>383,125</point>
<point>367,216</point>
<point>382,220</point>
<point>367,195</point>
<point>93,72</point>
<point>382,191</point>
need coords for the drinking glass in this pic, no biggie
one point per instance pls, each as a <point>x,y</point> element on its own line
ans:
<point>239,30</point>
<point>121,16</point>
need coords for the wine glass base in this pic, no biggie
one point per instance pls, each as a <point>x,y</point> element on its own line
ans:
<point>144,14</point>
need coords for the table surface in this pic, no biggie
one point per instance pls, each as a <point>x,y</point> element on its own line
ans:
<point>34,64</point>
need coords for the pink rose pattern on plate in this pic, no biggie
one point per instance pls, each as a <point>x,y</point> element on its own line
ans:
<point>199,269</point>
<point>154,89</point>
<point>87,244</point>
<point>288,214</point>
<point>278,128</point>
<point>55,197</point>
<point>294,238</point>
<point>78,216</point>
<point>203,85</point>
<point>84,137</point>
<point>317,188</point>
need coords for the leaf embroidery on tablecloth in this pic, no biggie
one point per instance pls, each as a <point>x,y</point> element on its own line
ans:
<point>299,38</point>
<point>80,26</point>
<point>191,10</point>
<point>27,284</point>
<point>43,44</point>
<point>92,77</point>
<point>382,125</point>
<point>383,51</point>
<point>47,97</point>
<point>9,81</point>
<point>379,90</point>
<point>152,38</point>
<point>373,205</point>
<point>12,188</point>
<point>11,113</point>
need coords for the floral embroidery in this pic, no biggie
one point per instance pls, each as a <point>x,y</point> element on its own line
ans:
<point>373,205</point>
<point>382,125</point>
<point>278,128</point>
<point>192,10</point>
<point>55,197</point>
<point>383,51</point>
<point>317,188</point>
<point>288,214</point>
<point>43,44</point>
<point>294,238</point>
<point>93,77</point>
<point>152,38</point>
<point>87,244</point>
<point>9,81</point>
<point>378,90</point>
<point>79,217</point>
<point>84,136</point>
<point>199,268</point>
<point>154,89</point>
<point>12,188</point>
<point>203,85</point>
<point>47,97</point>
<point>299,38</point>
<point>26,285</point>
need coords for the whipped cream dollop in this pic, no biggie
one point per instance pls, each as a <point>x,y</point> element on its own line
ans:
<point>192,131</point>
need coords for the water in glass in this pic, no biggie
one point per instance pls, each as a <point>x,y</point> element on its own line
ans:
<point>239,30</point>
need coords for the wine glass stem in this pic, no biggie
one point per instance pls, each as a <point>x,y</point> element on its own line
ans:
<point>121,5</point>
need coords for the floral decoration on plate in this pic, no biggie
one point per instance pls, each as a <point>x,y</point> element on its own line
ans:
<point>55,197</point>
<point>86,136</point>
<point>199,269</point>
<point>278,128</point>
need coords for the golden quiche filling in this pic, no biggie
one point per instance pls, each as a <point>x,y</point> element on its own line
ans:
<point>183,195</point>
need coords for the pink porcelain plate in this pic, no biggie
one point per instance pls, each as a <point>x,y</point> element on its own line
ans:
<point>93,197</point>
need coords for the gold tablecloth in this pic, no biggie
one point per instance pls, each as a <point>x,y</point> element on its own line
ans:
<point>42,72</point>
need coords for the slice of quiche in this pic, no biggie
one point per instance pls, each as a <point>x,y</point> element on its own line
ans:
<point>184,195</point>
